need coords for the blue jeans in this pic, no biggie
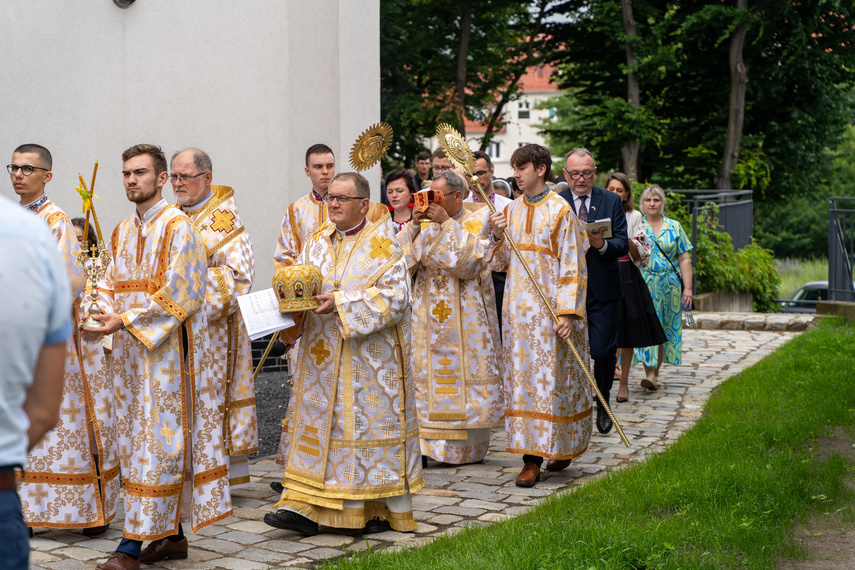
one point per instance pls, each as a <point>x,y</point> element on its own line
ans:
<point>15,545</point>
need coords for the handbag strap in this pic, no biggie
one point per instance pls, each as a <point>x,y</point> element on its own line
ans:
<point>674,267</point>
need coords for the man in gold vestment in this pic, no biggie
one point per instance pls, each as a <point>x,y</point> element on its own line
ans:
<point>169,408</point>
<point>301,221</point>
<point>548,406</point>
<point>231,267</point>
<point>72,476</point>
<point>455,359</point>
<point>354,458</point>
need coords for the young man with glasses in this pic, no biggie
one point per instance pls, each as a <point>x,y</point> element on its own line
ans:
<point>170,408</point>
<point>484,172</point>
<point>71,479</point>
<point>605,286</point>
<point>548,410</point>
<point>456,351</point>
<point>354,456</point>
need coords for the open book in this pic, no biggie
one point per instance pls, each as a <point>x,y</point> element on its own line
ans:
<point>260,311</point>
<point>594,227</point>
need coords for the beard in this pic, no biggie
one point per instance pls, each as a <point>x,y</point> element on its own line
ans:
<point>142,194</point>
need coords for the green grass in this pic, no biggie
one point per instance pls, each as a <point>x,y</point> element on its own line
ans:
<point>726,495</point>
<point>794,273</point>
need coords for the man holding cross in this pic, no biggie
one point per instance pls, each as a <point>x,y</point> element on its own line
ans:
<point>169,408</point>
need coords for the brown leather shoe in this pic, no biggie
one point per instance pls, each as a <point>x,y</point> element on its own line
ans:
<point>529,475</point>
<point>120,561</point>
<point>557,464</point>
<point>164,549</point>
<point>95,530</point>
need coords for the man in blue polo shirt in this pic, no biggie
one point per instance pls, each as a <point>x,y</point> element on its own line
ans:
<point>35,309</point>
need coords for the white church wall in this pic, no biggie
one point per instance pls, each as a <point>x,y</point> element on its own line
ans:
<point>252,83</point>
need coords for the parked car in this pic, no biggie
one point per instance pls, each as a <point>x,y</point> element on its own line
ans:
<point>804,300</point>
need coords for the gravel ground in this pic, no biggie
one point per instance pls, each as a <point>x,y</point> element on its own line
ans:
<point>271,401</point>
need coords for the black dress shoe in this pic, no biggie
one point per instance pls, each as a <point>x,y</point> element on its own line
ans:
<point>277,487</point>
<point>375,526</point>
<point>424,461</point>
<point>621,400</point>
<point>604,422</point>
<point>289,520</point>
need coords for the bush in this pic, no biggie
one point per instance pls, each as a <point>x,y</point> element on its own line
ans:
<point>720,268</point>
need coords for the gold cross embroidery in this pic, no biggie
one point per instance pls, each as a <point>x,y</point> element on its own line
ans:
<point>320,352</point>
<point>473,227</point>
<point>167,433</point>
<point>222,221</point>
<point>381,247</point>
<point>441,311</point>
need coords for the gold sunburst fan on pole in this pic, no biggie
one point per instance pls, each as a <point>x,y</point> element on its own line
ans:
<point>458,152</point>
<point>455,147</point>
<point>370,147</point>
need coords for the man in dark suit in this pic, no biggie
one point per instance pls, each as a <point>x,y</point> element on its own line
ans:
<point>605,288</point>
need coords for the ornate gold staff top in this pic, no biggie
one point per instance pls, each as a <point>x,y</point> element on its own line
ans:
<point>458,152</point>
<point>370,146</point>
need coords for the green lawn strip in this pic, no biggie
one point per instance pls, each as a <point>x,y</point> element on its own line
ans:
<point>725,495</point>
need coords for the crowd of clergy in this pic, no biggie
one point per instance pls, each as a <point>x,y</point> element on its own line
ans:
<point>409,357</point>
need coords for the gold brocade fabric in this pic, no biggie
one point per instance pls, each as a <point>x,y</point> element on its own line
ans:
<point>301,221</point>
<point>231,267</point>
<point>169,407</point>
<point>61,487</point>
<point>456,350</point>
<point>355,434</point>
<point>547,396</point>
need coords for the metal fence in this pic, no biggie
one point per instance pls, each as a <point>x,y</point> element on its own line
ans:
<point>841,249</point>
<point>735,213</point>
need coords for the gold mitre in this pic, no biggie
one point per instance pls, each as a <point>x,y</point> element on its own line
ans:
<point>295,287</point>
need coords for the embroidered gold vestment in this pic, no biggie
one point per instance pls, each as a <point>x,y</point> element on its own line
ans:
<point>355,434</point>
<point>300,222</point>
<point>61,487</point>
<point>231,267</point>
<point>169,407</point>
<point>456,349</point>
<point>547,397</point>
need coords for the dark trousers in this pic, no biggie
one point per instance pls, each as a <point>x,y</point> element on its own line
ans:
<point>602,335</point>
<point>15,544</point>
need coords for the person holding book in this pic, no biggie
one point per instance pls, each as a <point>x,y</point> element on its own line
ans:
<point>591,204</point>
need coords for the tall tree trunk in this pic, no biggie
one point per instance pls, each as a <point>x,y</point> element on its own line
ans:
<point>527,56</point>
<point>736,115</point>
<point>629,148</point>
<point>462,55</point>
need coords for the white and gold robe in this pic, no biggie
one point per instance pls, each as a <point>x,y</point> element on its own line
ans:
<point>548,405</point>
<point>169,407</point>
<point>300,222</point>
<point>355,450</point>
<point>231,267</point>
<point>456,349</point>
<point>61,486</point>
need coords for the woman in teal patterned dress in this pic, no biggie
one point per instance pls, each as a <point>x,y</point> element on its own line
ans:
<point>663,281</point>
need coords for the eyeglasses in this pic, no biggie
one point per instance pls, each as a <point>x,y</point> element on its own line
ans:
<point>452,192</point>
<point>578,175</point>
<point>442,168</point>
<point>26,169</point>
<point>183,178</point>
<point>480,173</point>
<point>329,199</point>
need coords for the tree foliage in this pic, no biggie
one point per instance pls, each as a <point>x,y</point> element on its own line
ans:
<point>800,58</point>
<point>423,46</point>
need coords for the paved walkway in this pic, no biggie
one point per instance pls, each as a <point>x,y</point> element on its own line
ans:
<point>454,496</point>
